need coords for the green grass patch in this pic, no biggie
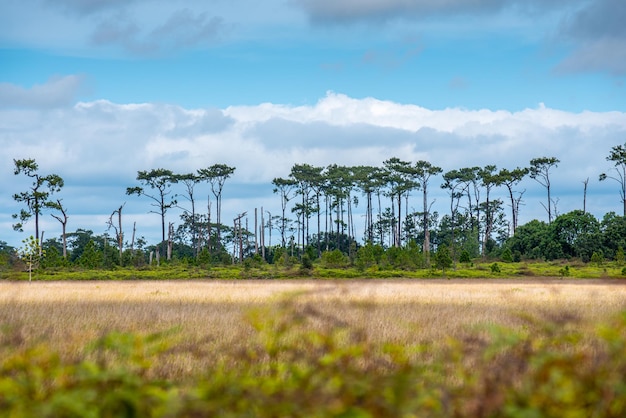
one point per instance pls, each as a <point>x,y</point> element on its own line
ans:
<point>477,269</point>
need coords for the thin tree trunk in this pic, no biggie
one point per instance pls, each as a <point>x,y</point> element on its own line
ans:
<point>426,248</point>
<point>208,225</point>
<point>120,235</point>
<point>64,241</point>
<point>132,241</point>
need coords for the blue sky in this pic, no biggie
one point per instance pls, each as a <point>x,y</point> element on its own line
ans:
<point>96,90</point>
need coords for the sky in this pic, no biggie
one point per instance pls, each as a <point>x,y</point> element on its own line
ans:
<point>97,90</point>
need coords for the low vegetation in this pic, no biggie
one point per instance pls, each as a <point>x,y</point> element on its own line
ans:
<point>322,269</point>
<point>435,348</point>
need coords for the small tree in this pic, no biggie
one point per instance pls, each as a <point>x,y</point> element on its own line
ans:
<point>36,198</point>
<point>465,257</point>
<point>442,258</point>
<point>619,256</point>
<point>597,258</point>
<point>31,254</point>
<point>91,257</point>
<point>507,255</point>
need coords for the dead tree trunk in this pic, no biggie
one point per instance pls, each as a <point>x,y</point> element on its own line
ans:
<point>170,240</point>
<point>119,235</point>
<point>63,222</point>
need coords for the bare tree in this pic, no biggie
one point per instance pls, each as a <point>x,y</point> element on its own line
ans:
<point>160,180</point>
<point>119,234</point>
<point>63,220</point>
<point>540,172</point>
<point>510,178</point>
<point>618,157</point>
<point>217,174</point>
<point>285,187</point>
<point>585,183</point>
<point>422,172</point>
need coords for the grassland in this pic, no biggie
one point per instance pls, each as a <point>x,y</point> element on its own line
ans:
<point>212,314</point>
<point>238,326</point>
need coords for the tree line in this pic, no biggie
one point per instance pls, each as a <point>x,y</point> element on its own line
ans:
<point>317,215</point>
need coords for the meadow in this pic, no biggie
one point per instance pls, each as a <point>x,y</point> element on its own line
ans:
<point>313,348</point>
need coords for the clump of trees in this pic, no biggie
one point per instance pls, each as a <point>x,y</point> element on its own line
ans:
<point>317,217</point>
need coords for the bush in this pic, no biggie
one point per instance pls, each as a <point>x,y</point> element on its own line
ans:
<point>442,258</point>
<point>306,265</point>
<point>495,268</point>
<point>619,256</point>
<point>365,257</point>
<point>204,258</point>
<point>507,256</point>
<point>465,257</point>
<point>597,258</point>
<point>334,259</point>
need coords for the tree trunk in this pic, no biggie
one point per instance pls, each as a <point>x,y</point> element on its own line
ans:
<point>64,237</point>
<point>256,232</point>
<point>132,241</point>
<point>426,248</point>
<point>120,235</point>
<point>170,243</point>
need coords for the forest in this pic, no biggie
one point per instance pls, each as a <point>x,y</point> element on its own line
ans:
<point>317,219</point>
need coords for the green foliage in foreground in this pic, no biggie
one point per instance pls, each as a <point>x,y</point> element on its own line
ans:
<point>304,363</point>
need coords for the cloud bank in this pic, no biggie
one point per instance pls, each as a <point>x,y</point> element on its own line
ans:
<point>99,146</point>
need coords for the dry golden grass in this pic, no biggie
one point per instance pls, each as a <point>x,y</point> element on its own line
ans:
<point>210,315</point>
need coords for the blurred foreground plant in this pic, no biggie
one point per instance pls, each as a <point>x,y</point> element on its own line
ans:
<point>306,363</point>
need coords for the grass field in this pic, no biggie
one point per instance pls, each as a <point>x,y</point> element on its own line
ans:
<point>212,314</point>
<point>209,323</point>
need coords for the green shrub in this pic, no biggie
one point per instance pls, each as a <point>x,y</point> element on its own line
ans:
<point>306,264</point>
<point>204,258</point>
<point>619,256</point>
<point>507,255</point>
<point>465,257</point>
<point>334,259</point>
<point>442,258</point>
<point>495,268</point>
<point>597,258</point>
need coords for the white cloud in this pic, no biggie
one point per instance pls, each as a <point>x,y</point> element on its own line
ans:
<point>98,147</point>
